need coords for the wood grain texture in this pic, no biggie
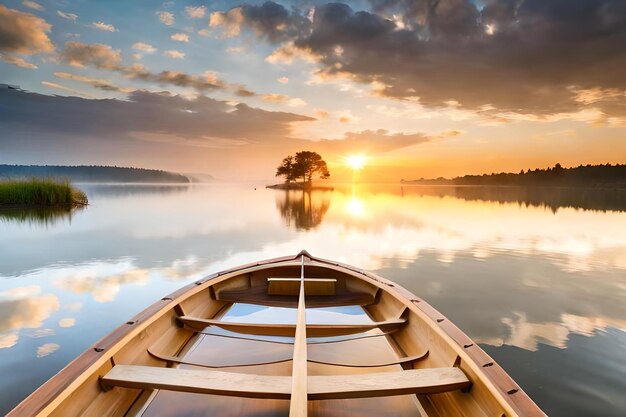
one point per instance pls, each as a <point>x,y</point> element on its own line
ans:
<point>416,381</point>
<point>199,381</point>
<point>291,286</point>
<point>299,403</point>
<point>373,364</point>
<point>289,330</point>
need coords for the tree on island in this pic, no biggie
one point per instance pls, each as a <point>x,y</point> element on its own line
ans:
<point>305,165</point>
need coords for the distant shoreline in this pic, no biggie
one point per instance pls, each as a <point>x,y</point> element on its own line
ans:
<point>588,176</point>
<point>94,174</point>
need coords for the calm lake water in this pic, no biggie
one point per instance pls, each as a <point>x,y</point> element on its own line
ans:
<point>537,277</point>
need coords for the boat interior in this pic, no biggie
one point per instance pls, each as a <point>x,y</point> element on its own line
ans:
<point>293,338</point>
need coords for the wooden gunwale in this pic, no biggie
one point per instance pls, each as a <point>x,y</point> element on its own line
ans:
<point>510,396</point>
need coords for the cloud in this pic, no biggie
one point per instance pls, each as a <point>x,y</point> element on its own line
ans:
<point>144,47</point>
<point>202,119</point>
<point>235,50</point>
<point>375,141</point>
<point>270,20</point>
<point>180,37</point>
<point>67,322</point>
<point>8,340</point>
<point>288,53</point>
<point>229,22</point>
<point>174,54</point>
<point>98,55</point>
<point>105,57</point>
<point>166,18</point>
<point>195,12</point>
<point>33,5</point>
<point>23,33</point>
<point>105,27</point>
<point>94,82</point>
<point>68,16</point>
<point>47,349</point>
<point>283,80</point>
<point>63,88</point>
<point>434,52</point>
<point>18,313</point>
<point>20,62</point>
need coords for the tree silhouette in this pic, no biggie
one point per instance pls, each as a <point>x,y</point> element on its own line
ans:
<point>286,169</point>
<point>305,165</point>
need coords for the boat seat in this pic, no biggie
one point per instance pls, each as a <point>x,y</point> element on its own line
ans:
<point>291,286</point>
<point>289,330</point>
<point>414,381</point>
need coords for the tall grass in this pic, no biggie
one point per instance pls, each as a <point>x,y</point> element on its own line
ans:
<point>37,192</point>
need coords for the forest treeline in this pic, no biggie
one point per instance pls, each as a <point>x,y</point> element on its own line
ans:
<point>598,176</point>
<point>92,173</point>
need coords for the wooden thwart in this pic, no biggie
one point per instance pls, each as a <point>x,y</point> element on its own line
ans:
<point>291,286</point>
<point>289,330</point>
<point>414,381</point>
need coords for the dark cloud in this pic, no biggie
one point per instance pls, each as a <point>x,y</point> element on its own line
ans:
<point>274,21</point>
<point>203,119</point>
<point>270,20</point>
<point>520,56</point>
<point>23,33</point>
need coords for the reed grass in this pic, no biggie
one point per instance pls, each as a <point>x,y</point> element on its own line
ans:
<point>40,192</point>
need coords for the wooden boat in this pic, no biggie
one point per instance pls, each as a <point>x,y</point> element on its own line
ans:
<point>238,343</point>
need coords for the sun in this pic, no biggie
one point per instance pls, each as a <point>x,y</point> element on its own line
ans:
<point>356,162</point>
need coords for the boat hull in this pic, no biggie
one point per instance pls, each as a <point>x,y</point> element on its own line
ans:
<point>401,325</point>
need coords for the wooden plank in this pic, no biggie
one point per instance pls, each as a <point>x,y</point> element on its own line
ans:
<point>261,297</point>
<point>199,381</point>
<point>298,403</point>
<point>414,381</point>
<point>289,330</point>
<point>291,286</point>
<point>381,384</point>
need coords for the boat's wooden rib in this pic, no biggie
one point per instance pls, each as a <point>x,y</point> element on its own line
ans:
<point>414,381</point>
<point>324,341</point>
<point>176,359</point>
<point>401,361</point>
<point>289,330</point>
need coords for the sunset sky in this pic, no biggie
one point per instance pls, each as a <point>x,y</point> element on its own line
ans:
<point>422,88</point>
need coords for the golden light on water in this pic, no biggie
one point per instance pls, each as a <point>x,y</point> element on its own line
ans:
<point>356,162</point>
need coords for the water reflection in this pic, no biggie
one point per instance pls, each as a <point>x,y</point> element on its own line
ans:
<point>121,190</point>
<point>45,217</point>
<point>524,276</point>
<point>553,198</point>
<point>303,209</point>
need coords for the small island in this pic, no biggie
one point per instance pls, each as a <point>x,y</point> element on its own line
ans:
<point>40,193</point>
<point>305,165</point>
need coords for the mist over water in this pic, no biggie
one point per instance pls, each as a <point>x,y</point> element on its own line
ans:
<point>537,277</point>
